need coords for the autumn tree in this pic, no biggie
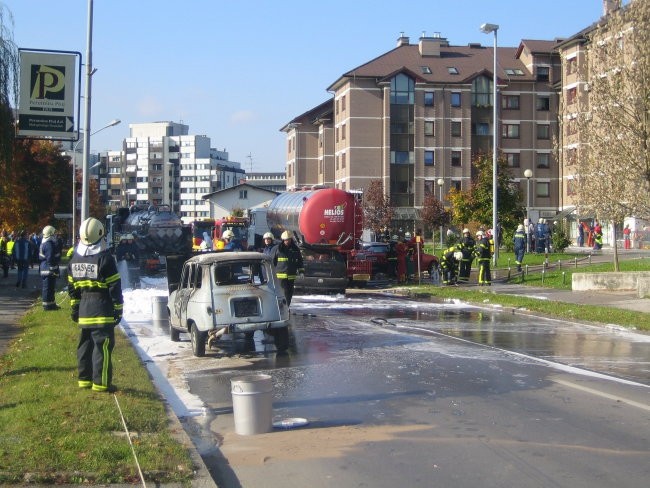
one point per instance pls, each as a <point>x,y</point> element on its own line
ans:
<point>433,213</point>
<point>39,185</point>
<point>475,203</point>
<point>8,90</point>
<point>614,120</point>
<point>377,210</point>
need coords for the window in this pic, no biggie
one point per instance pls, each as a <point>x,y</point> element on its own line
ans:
<point>428,127</point>
<point>456,158</point>
<point>512,160</point>
<point>428,158</point>
<point>455,99</point>
<point>342,160</point>
<point>543,131</point>
<point>243,194</point>
<point>455,184</point>
<point>571,95</point>
<point>425,70</point>
<point>572,65</point>
<point>455,129</point>
<point>543,73</point>
<point>452,70</point>
<point>510,102</point>
<point>343,103</point>
<point>571,187</point>
<point>543,189</point>
<point>571,156</point>
<point>402,90</point>
<point>510,131</point>
<point>428,99</point>
<point>543,103</point>
<point>514,72</point>
<point>343,132</point>
<point>543,160</point>
<point>482,92</point>
<point>481,129</point>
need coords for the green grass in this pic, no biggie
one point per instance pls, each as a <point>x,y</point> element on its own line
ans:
<point>54,432</point>
<point>557,275</point>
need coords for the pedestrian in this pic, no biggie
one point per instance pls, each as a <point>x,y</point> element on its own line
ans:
<point>391,257</point>
<point>627,234</point>
<point>96,303</point>
<point>519,240</point>
<point>449,265</point>
<point>581,234</point>
<point>467,246</point>
<point>35,241</point>
<point>269,244</point>
<point>50,257</point>
<point>540,237</point>
<point>287,260</point>
<point>21,256</point>
<point>4,257</point>
<point>484,255</point>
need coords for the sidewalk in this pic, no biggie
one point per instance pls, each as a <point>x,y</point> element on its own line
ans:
<point>14,302</point>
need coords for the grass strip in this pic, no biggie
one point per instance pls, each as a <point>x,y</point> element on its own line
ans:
<point>54,432</point>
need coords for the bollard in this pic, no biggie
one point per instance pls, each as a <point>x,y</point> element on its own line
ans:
<point>563,277</point>
<point>526,269</point>
<point>159,311</point>
<point>559,264</point>
<point>543,274</point>
<point>590,259</point>
<point>252,403</point>
<point>575,260</point>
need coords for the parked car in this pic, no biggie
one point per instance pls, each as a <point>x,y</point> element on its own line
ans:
<point>227,292</point>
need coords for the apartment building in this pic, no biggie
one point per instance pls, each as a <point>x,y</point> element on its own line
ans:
<point>162,164</point>
<point>420,112</point>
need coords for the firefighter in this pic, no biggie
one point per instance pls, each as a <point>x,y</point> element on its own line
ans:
<point>449,264</point>
<point>467,246</point>
<point>519,240</point>
<point>50,256</point>
<point>231,244</point>
<point>96,304</point>
<point>391,257</point>
<point>484,254</point>
<point>269,244</point>
<point>288,262</point>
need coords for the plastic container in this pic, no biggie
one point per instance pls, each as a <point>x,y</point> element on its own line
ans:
<point>159,312</point>
<point>252,403</point>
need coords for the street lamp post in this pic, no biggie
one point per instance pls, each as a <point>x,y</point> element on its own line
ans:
<point>441,183</point>
<point>528,174</point>
<point>486,29</point>
<point>74,176</point>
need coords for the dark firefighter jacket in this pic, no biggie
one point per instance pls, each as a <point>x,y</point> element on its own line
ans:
<point>287,261</point>
<point>94,287</point>
<point>483,249</point>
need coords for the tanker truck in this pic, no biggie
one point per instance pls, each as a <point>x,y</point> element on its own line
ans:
<point>326,224</point>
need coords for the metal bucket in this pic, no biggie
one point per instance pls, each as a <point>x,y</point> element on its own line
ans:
<point>159,312</point>
<point>252,403</point>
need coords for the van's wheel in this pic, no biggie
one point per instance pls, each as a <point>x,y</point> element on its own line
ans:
<point>174,334</point>
<point>198,341</point>
<point>281,339</point>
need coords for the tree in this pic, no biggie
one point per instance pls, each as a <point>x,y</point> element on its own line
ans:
<point>39,183</point>
<point>614,123</point>
<point>377,210</point>
<point>8,89</point>
<point>475,203</point>
<point>433,213</point>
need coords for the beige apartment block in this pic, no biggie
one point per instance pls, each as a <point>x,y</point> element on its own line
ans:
<point>421,111</point>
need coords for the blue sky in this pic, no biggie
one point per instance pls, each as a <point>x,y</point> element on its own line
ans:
<point>238,70</point>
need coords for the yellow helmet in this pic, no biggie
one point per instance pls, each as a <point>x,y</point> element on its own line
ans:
<point>91,231</point>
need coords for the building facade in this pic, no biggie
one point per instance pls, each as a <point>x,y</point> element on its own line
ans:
<point>420,113</point>
<point>163,165</point>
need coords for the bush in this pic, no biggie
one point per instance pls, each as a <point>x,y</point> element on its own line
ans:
<point>559,239</point>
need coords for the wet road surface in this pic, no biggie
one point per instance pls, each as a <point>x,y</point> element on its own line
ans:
<point>400,392</point>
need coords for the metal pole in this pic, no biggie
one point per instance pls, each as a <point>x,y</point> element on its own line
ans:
<point>494,153</point>
<point>441,245</point>
<point>85,201</point>
<point>528,239</point>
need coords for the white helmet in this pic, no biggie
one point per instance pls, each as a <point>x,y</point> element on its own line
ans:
<point>407,235</point>
<point>268,235</point>
<point>285,235</point>
<point>465,230</point>
<point>479,233</point>
<point>48,231</point>
<point>520,228</point>
<point>91,231</point>
<point>228,234</point>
